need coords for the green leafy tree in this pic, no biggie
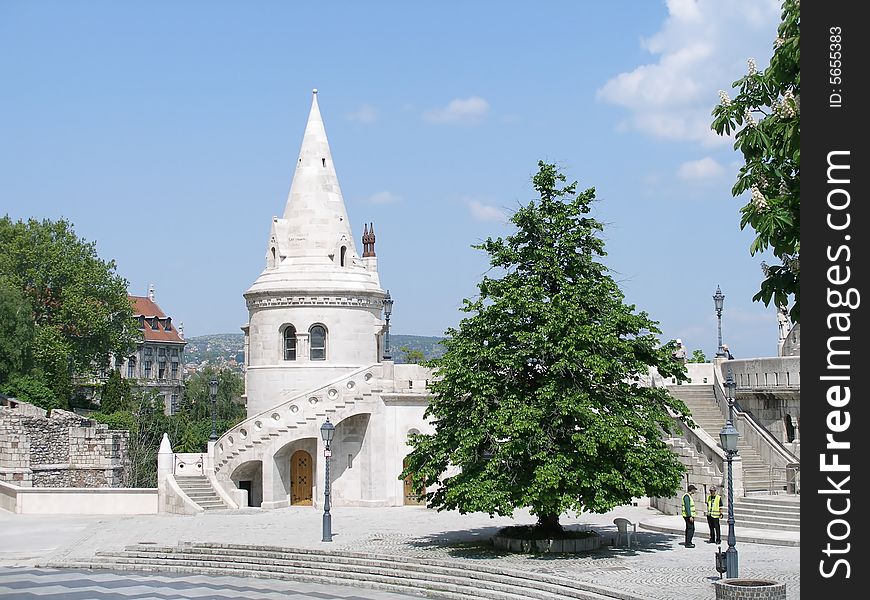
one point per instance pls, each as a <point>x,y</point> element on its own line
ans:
<point>79,304</point>
<point>410,356</point>
<point>698,357</point>
<point>539,398</point>
<point>32,389</point>
<point>766,117</point>
<point>16,332</point>
<point>116,393</point>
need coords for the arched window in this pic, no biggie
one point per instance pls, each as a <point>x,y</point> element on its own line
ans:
<point>317,342</point>
<point>290,343</point>
<point>343,256</point>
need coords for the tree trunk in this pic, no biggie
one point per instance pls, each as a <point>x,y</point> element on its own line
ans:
<point>549,524</point>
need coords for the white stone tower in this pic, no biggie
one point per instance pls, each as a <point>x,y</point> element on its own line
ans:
<point>315,310</point>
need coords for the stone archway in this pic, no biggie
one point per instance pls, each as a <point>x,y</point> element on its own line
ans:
<point>248,476</point>
<point>301,479</point>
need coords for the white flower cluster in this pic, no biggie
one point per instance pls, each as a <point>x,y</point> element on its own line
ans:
<point>753,68</point>
<point>792,263</point>
<point>765,268</point>
<point>758,199</point>
<point>783,188</point>
<point>778,42</point>
<point>789,107</point>
<point>724,100</point>
<point>747,116</point>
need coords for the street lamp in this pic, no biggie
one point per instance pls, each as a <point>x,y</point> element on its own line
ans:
<point>212,393</point>
<point>327,430</point>
<point>388,310</point>
<point>718,301</point>
<point>728,439</point>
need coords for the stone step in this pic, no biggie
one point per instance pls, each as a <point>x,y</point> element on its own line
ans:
<point>459,581</point>
<point>790,501</point>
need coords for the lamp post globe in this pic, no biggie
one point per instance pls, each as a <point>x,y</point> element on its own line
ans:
<point>327,431</point>
<point>718,303</point>
<point>212,393</point>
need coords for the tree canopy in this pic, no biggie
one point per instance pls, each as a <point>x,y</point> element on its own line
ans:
<point>76,303</point>
<point>539,400</point>
<point>765,114</point>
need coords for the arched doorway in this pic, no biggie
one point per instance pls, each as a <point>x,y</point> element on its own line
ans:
<point>411,496</point>
<point>301,479</point>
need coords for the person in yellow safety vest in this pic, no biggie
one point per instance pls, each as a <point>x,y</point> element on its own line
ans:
<point>714,514</point>
<point>689,514</point>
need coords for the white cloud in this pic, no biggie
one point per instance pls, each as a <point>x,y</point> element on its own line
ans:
<point>702,47</point>
<point>365,114</point>
<point>383,198</point>
<point>486,212</point>
<point>698,170</point>
<point>469,110</point>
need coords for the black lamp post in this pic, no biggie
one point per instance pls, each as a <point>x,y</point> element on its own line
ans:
<point>728,438</point>
<point>718,302</point>
<point>388,310</point>
<point>212,393</point>
<point>327,430</point>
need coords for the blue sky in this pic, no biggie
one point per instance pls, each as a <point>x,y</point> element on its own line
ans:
<point>167,132</point>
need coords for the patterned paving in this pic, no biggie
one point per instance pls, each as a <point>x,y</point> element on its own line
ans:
<point>57,584</point>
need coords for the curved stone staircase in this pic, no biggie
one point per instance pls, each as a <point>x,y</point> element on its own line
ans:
<point>302,414</point>
<point>433,578</point>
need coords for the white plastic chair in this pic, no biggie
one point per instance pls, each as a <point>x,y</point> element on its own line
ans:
<point>623,531</point>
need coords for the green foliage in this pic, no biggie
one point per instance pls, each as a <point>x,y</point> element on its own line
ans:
<point>698,357</point>
<point>80,312</point>
<point>412,356</point>
<point>116,394</point>
<point>16,331</point>
<point>33,389</point>
<point>772,159</point>
<point>141,413</point>
<point>539,398</point>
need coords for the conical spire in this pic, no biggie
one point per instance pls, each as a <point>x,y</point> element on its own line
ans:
<point>312,246</point>
<point>315,208</point>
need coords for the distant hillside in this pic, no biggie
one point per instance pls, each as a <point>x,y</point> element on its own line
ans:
<point>221,348</point>
<point>430,346</point>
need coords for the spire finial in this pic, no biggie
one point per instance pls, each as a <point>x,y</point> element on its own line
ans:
<point>314,91</point>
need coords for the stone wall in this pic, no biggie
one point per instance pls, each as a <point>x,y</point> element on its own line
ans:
<point>62,449</point>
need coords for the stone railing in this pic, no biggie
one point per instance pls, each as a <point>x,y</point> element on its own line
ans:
<point>771,450</point>
<point>293,412</point>
<point>773,372</point>
<point>188,464</point>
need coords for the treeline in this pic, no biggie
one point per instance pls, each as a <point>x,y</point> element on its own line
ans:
<point>64,312</point>
<point>140,411</point>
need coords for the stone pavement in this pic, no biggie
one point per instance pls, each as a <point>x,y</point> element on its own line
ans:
<point>61,584</point>
<point>659,567</point>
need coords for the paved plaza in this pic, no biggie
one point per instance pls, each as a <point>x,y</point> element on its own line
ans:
<point>658,567</point>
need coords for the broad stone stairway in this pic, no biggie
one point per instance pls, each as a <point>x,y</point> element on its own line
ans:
<point>757,477</point>
<point>766,505</point>
<point>199,489</point>
<point>433,578</point>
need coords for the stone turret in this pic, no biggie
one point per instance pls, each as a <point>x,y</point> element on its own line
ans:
<point>315,310</point>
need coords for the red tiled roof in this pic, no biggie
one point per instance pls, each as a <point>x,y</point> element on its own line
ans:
<point>145,307</point>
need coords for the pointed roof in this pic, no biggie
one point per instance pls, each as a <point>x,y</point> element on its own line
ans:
<point>315,207</point>
<point>307,241</point>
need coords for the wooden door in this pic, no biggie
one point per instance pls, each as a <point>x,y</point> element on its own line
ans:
<point>412,496</point>
<point>301,479</point>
